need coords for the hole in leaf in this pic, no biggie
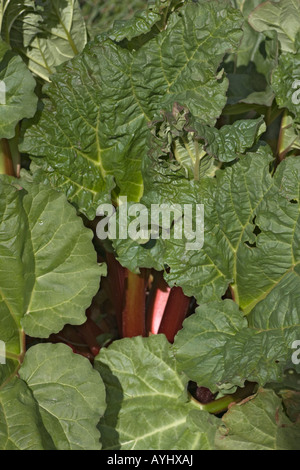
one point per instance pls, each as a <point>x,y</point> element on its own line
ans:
<point>150,244</point>
<point>251,245</point>
<point>201,394</point>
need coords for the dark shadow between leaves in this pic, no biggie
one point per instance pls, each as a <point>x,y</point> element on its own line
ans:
<point>114,397</point>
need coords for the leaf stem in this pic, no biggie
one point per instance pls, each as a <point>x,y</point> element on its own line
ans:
<point>6,163</point>
<point>221,404</point>
<point>216,406</point>
<point>174,314</point>
<point>197,161</point>
<point>234,293</point>
<point>14,152</point>
<point>134,312</point>
<point>157,302</point>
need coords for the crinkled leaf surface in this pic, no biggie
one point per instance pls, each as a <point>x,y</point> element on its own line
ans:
<point>94,127</point>
<point>227,143</point>
<point>282,17</point>
<point>17,97</point>
<point>147,403</point>
<point>218,346</point>
<point>48,267</point>
<point>258,424</point>
<point>141,22</point>
<point>200,346</point>
<point>100,17</point>
<point>56,403</point>
<point>274,261</point>
<point>267,285</point>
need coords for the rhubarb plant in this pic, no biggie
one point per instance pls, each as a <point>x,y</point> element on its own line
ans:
<point>118,329</point>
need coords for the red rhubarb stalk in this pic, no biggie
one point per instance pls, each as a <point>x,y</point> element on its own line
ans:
<point>89,332</point>
<point>133,315</point>
<point>157,302</point>
<point>175,312</point>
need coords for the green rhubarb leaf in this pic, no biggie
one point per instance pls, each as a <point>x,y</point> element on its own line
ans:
<point>231,349</point>
<point>46,33</point>
<point>190,78</point>
<point>227,143</point>
<point>286,82</point>
<point>258,423</point>
<point>147,403</point>
<point>290,135</point>
<point>70,395</point>
<point>112,97</point>
<point>54,405</point>
<point>274,262</point>
<point>17,97</point>
<point>249,69</point>
<point>267,284</point>
<point>282,17</point>
<point>141,23</point>
<point>200,346</point>
<point>21,426</point>
<point>102,16</point>
<point>48,268</point>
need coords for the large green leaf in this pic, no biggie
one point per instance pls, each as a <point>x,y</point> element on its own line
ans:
<point>56,404</point>
<point>94,127</point>
<point>46,33</point>
<point>147,403</point>
<point>200,346</point>
<point>282,17</point>
<point>17,97</point>
<point>218,346</point>
<point>69,393</point>
<point>48,268</point>
<point>258,423</point>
